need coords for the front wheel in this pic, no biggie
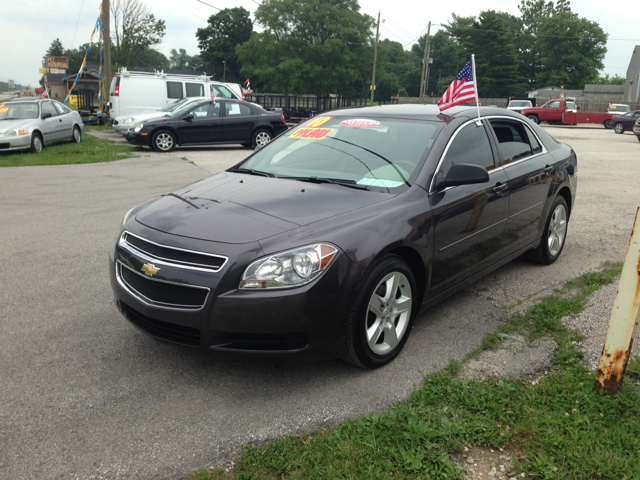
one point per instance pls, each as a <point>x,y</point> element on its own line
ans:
<point>76,137</point>
<point>607,124</point>
<point>382,314</point>
<point>36,143</point>
<point>261,138</point>
<point>533,118</point>
<point>163,141</point>
<point>554,235</point>
<point>619,128</point>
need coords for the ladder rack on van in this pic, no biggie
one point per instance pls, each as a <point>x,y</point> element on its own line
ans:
<point>160,74</point>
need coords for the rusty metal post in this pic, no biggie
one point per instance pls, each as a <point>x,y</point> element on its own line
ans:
<point>624,319</point>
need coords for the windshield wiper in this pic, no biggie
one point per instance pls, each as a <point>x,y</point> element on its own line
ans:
<point>334,181</point>
<point>250,171</point>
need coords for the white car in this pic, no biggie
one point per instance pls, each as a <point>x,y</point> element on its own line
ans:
<point>125,122</point>
<point>618,108</point>
<point>519,105</point>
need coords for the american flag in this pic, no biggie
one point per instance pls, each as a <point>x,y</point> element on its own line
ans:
<point>248,84</point>
<point>44,94</point>
<point>461,90</point>
<point>213,95</point>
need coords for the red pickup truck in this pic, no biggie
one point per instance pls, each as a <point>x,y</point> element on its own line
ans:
<point>555,111</point>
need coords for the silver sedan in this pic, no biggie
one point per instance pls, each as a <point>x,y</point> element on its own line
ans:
<point>32,123</point>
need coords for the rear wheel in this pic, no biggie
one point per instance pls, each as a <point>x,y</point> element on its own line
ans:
<point>36,143</point>
<point>76,137</point>
<point>554,235</point>
<point>607,124</point>
<point>261,138</point>
<point>533,118</point>
<point>163,141</point>
<point>619,128</point>
<point>382,314</point>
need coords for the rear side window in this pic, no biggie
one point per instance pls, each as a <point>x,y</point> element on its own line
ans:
<point>236,110</point>
<point>60,108</point>
<point>195,89</point>
<point>514,141</point>
<point>174,90</point>
<point>222,91</point>
<point>470,145</point>
<point>48,108</point>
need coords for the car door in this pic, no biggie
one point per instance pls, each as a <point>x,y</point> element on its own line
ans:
<point>469,220</point>
<point>66,119</point>
<point>531,172</point>
<point>238,121</point>
<point>51,127</point>
<point>551,111</point>
<point>201,124</point>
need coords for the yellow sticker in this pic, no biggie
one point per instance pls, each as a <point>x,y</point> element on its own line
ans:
<point>317,121</point>
<point>3,109</point>
<point>311,133</point>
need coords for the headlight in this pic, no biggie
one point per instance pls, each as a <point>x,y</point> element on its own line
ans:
<point>138,128</point>
<point>129,120</point>
<point>288,269</point>
<point>16,131</point>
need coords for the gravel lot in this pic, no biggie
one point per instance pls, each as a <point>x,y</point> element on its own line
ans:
<point>85,395</point>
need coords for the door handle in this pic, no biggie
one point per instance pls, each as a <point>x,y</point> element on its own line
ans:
<point>500,188</point>
<point>549,169</point>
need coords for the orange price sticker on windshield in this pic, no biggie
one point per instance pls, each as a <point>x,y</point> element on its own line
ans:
<point>3,109</point>
<point>311,133</point>
<point>318,121</point>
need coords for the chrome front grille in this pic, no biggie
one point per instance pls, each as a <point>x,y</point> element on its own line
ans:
<point>161,293</point>
<point>171,255</point>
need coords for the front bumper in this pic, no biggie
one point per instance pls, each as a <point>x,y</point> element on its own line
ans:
<point>17,142</point>
<point>141,138</point>
<point>308,321</point>
<point>636,130</point>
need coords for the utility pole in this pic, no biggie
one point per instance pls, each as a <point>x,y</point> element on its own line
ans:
<point>375,60</point>
<point>106,38</point>
<point>425,64</point>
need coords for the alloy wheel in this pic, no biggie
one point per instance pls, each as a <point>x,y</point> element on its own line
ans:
<point>557,230</point>
<point>388,313</point>
<point>262,138</point>
<point>164,141</point>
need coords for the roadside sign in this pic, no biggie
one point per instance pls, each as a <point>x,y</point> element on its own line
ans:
<point>12,84</point>
<point>57,70</point>
<point>57,62</point>
<point>44,70</point>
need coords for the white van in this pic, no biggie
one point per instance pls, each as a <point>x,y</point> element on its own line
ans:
<point>144,92</point>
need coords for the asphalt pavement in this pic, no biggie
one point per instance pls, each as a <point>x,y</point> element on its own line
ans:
<point>85,395</point>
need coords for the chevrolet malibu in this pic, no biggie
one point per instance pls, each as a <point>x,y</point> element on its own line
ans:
<point>328,241</point>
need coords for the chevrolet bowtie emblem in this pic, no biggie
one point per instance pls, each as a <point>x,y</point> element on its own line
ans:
<point>150,269</point>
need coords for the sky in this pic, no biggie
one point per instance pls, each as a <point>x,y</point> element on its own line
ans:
<point>26,34</point>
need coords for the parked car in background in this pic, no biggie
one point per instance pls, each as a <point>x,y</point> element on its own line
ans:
<point>618,108</point>
<point>625,123</point>
<point>557,111</point>
<point>204,122</point>
<point>518,105</point>
<point>33,123</point>
<point>125,122</point>
<point>132,93</point>
<point>636,129</point>
<point>328,241</point>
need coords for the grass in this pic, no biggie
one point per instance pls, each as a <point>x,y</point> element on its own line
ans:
<point>560,427</point>
<point>90,150</point>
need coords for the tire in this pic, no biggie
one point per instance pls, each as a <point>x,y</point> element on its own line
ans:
<point>534,118</point>
<point>618,128</point>
<point>260,138</point>
<point>382,314</point>
<point>554,235</point>
<point>76,136</point>
<point>36,143</point>
<point>607,124</point>
<point>163,141</point>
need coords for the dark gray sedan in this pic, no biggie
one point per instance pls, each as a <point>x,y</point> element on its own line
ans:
<point>328,241</point>
<point>32,123</point>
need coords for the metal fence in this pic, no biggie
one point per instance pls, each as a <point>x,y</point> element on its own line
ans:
<point>305,106</point>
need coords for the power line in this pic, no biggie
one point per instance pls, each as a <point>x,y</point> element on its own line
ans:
<point>77,23</point>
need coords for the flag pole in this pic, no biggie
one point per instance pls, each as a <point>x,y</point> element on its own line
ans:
<point>475,86</point>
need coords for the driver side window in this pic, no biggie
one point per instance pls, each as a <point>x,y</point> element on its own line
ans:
<point>48,108</point>
<point>470,146</point>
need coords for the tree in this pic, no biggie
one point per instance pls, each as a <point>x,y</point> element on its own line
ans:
<point>180,59</point>
<point>55,50</point>
<point>227,29</point>
<point>135,31</point>
<point>310,46</point>
<point>76,56</point>
<point>607,80</point>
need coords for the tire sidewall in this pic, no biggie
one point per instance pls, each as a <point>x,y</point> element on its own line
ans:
<point>73,135</point>
<point>33,143</point>
<point>155,137</point>
<point>254,137</point>
<point>386,265</point>
<point>548,258</point>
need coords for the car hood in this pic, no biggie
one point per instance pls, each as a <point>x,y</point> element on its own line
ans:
<point>238,208</point>
<point>6,125</point>
<point>142,116</point>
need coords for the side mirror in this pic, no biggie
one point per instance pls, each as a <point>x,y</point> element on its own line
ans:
<point>462,174</point>
<point>46,115</point>
<point>188,118</point>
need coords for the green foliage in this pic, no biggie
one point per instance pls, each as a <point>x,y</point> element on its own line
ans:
<point>135,31</point>
<point>55,49</point>
<point>447,62</point>
<point>76,55</point>
<point>180,59</point>
<point>309,46</point>
<point>227,29</point>
<point>607,80</point>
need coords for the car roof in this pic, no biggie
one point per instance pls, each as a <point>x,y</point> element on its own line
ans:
<point>29,99</point>
<point>425,111</point>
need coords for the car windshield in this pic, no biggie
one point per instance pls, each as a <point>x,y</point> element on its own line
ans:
<point>172,106</point>
<point>222,91</point>
<point>18,111</point>
<point>182,109</point>
<point>520,103</point>
<point>380,153</point>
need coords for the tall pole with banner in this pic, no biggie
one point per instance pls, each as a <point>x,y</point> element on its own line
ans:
<point>106,38</point>
<point>375,60</point>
